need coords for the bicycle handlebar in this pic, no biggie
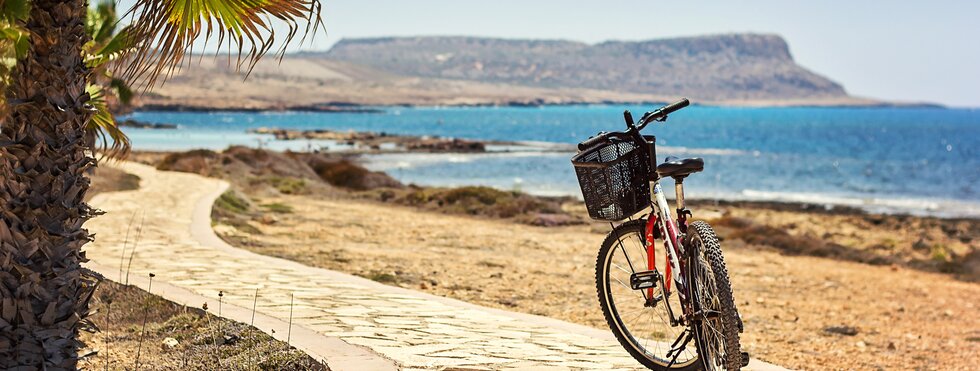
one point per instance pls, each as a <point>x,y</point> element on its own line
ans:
<point>673,107</point>
<point>659,115</point>
<point>662,112</point>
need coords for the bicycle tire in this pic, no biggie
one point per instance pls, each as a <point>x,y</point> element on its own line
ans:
<point>608,306</point>
<point>700,230</point>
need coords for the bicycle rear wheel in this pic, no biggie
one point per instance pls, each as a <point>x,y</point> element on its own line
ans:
<point>643,329</point>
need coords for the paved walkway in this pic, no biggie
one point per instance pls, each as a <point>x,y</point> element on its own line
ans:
<point>350,322</point>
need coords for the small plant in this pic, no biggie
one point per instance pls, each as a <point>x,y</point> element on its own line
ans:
<point>214,335</point>
<point>230,201</point>
<point>939,253</point>
<point>289,331</point>
<point>382,277</point>
<point>278,208</point>
<point>122,255</point>
<point>136,242</point>
<point>289,186</point>
<point>108,322</point>
<point>146,310</point>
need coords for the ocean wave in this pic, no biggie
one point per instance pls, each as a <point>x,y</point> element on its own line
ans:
<point>381,162</point>
<point>533,146</point>
<point>703,151</point>
<point>912,206</point>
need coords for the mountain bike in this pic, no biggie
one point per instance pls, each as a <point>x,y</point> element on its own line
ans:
<point>677,313</point>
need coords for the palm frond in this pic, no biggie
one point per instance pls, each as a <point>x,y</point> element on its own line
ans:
<point>13,46</point>
<point>114,48</point>
<point>164,31</point>
<point>14,40</point>
<point>12,10</point>
<point>101,21</point>
<point>122,90</point>
<point>102,128</point>
<point>107,93</point>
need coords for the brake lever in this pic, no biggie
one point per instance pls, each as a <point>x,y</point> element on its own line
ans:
<point>628,117</point>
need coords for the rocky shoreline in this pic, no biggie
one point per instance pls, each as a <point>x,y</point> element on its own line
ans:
<point>130,123</point>
<point>265,107</point>
<point>381,142</point>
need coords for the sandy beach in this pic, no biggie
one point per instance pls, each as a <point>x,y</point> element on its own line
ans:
<point>898,308</point>
<point>787,301</point>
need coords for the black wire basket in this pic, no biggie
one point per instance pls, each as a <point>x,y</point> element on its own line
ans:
<point>614,177</point>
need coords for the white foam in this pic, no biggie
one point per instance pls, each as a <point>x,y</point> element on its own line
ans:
<point>700,151</point>
<point>913,206</point>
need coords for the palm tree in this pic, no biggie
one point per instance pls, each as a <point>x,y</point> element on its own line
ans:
<point>48,104</point>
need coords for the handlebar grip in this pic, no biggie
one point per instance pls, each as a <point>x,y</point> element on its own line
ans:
<point>592,141</point>
<point>668,109</point>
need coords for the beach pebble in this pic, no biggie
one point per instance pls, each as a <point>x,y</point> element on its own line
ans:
<point>169,343</point>
<point>841,330</point>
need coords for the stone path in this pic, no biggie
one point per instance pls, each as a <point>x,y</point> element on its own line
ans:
<point>350,322</point>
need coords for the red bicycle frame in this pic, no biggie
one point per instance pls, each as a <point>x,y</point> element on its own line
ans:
<point>655,228</point>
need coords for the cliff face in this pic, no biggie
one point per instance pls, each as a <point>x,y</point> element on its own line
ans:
<point>721,67</point>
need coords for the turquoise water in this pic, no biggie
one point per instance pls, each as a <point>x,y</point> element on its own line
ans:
<point>910,160</point>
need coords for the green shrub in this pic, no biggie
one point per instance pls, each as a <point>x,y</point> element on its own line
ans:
<point>196,161</point>
<point>277,207</point>
<point>289,186</point>
<point>230,201</point>
<point>484,195</point>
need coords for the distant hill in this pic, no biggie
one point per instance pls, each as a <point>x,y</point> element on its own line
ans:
<point>722,67</point>
<point>741,69</point>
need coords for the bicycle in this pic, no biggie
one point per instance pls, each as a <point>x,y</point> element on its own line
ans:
<point>656,323</point>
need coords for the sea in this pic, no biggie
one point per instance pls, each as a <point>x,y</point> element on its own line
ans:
<point>919,161</point>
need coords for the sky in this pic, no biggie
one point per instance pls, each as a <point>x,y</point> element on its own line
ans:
<point>913,51</point>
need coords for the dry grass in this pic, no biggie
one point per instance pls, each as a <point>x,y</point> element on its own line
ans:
<point>106,179</point>
<point>484,202</point>
<point>178,337</point>
<point>950,246</point>
<point>787,300</point>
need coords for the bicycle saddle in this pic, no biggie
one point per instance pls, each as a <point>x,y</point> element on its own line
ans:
<point>680,167</point>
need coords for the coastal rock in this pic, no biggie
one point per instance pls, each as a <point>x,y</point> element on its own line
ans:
<point>841,330</point>
<point>446,145</point>
<point>130,123</point>
<point>375,141</point>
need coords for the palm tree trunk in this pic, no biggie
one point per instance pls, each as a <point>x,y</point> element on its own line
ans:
<point>43,160</point>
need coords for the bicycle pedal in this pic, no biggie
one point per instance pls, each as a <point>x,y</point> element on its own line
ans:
<point>644,280</point>
<point>745,359</point>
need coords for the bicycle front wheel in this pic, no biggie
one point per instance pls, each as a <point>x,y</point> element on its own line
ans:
<point>640,319</point>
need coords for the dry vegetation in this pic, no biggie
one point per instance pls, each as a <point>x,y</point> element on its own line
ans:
<point>836,288</point>
<point>793,306</point>
<point>260,173</point>
<point>930,244</point>
<point>949,246</point>
<point>107,179</point>
<point>177,337</point>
